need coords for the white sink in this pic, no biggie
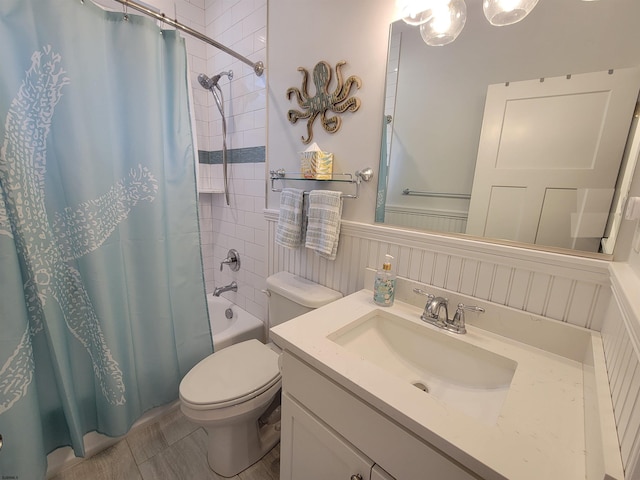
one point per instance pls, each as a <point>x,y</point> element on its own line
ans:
<point>463,376</point>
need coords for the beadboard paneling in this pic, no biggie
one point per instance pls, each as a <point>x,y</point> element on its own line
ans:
<point>620,335</point>
<point>570,289</point>
<point>425,219</point>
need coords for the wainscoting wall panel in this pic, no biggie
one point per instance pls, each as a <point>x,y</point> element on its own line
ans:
<point>570,289</point>
<point>590,293</point>
<point>620,336</point>
<point>425,219</point>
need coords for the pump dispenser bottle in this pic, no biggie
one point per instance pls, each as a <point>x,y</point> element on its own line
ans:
<point>384,287</point>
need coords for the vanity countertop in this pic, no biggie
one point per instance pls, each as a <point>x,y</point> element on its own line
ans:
<point>539,432</point>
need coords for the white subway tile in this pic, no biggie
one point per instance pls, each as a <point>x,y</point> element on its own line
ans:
<point>255,137</point>
<point>198,3</point>
<point>191,15</point>
<point>241,10</point>
<point>255,21</point>
<point>260,40</point>
<point>245,233</point>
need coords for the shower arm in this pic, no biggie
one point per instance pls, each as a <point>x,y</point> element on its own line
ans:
<point>258,67</point>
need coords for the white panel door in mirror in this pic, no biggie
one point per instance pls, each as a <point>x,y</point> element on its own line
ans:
<point>530,148</point>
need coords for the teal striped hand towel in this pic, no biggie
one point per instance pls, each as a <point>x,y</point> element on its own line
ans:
<point>323,222</point>
<point>290,219</point>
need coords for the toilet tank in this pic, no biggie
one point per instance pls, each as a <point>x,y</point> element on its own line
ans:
<point>291,296</point>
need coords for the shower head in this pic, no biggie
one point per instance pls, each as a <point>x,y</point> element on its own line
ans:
<point>209,83</point>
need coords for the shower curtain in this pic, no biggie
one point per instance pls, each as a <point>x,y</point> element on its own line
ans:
<point>102,305</point>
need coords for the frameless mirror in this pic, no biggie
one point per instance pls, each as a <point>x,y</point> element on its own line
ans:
<point>518,133</point>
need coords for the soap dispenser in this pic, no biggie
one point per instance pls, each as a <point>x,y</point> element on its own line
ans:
<point>384,287</point>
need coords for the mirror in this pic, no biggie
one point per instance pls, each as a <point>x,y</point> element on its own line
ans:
<point>435,104</point>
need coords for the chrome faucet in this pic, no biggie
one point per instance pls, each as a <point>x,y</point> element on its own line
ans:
<point>431,313</point>
<point>433,307</point>
<point>232,287</point>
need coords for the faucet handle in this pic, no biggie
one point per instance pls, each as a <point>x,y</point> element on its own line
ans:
<point>471,308</point>
<point>233,260</point>
<point>458,321</point>
<point>426,294</point>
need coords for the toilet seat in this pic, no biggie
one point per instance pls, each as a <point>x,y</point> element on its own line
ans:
<point>231,376</point>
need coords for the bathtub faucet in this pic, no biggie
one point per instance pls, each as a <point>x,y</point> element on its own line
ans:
<point>232,287</point>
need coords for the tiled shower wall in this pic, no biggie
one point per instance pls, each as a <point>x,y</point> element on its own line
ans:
<point>241,26</point>
<point>241,226</point>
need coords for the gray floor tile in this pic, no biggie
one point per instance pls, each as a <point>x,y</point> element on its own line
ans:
<point>268,468</point>
<point>115,463</point>
<point>145,442</point>
<point>175,426</point>
<point>184,460</point>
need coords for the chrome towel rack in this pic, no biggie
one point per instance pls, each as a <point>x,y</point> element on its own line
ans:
<point>354,179</point>
<point>419,193</point>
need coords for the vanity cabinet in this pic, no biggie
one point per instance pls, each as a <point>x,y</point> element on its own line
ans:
<point>329,433</point>
<point>316,452</point>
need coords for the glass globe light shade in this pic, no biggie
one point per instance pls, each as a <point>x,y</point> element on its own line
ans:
<point>415,12</point>
<point>445,23</point>
<point>507,12</point>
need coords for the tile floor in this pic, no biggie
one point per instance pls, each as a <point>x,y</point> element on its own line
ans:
<point>170,449</point>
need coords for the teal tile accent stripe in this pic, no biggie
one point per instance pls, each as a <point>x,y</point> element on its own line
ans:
<point>234,155</point>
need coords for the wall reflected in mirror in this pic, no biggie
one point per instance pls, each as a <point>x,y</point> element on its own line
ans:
<point>435,123</point>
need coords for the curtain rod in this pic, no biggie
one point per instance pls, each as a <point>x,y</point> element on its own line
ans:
<point>258,67</point>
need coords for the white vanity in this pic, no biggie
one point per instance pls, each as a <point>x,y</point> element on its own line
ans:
<point>376,393</point>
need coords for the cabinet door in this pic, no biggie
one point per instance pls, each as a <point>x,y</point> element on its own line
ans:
<point>310,450</point>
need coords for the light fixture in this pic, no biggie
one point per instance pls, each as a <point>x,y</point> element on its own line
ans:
<point>445,21</point>
<point>441,21</point>
<point>507,12</point>
<point>415,12</point>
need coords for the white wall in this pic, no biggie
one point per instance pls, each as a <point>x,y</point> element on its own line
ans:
<point>302,33</point>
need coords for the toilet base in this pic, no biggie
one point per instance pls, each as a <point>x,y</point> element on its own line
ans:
<point>227,459</point>
<point>240,435</point>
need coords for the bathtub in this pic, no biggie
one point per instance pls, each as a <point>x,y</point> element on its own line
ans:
<point>227,331</point>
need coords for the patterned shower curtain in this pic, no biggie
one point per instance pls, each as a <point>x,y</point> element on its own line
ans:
<point>102,305</point>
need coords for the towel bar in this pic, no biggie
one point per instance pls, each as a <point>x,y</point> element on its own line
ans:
<point>406,191</point>
<point>365,174</point>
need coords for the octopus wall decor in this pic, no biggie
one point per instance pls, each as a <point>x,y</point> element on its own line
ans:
<point>337,101</point>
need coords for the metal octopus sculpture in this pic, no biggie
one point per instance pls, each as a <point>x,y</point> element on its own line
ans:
<point>318,104</point>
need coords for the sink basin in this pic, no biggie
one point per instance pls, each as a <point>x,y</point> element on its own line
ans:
<point>463,376</point>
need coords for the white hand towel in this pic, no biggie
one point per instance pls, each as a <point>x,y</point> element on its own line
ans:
<point>289,228</point>
<point>323,223</point>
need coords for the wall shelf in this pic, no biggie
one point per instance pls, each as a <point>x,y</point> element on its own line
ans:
<point>355,179</point>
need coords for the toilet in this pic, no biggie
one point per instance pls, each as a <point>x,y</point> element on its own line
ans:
<point>234,394</point>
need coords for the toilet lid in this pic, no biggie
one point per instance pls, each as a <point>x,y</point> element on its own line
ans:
<point>245,369</point>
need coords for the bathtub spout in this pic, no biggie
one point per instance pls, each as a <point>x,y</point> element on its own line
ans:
<point>232,287</point>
